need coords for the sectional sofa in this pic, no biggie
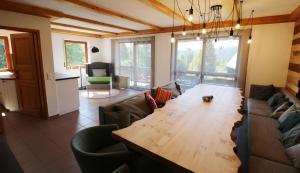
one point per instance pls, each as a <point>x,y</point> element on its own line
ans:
<point>265,150</point>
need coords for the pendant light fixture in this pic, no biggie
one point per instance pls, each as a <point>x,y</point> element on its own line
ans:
<point>240,15</point>
<point>172,35</point>
<point>250,36</point>
<point>191,12</point>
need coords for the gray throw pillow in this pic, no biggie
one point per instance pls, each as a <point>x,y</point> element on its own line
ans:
<point>273,100</point>
<point>121,118</point>
<point>291,137</point>
<point>294,154</point>
<point>280,110</point>
<point>286,113</point>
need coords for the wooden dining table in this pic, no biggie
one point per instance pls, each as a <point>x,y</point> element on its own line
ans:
<point>191,135</point>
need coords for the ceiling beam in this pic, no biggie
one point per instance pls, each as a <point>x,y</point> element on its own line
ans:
<point>97,22</point>
<point>295,15</point>
<point>164,9</point>
<point>84,34</point>
<point>102,10</point>
<point>29,9</point>
<point>80,27</point>
<point>43,12</point>
<point>224,24</point>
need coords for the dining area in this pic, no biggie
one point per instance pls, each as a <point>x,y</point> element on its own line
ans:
<point>187,134</point>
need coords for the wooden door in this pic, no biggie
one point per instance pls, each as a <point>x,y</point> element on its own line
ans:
<point>25,66</point>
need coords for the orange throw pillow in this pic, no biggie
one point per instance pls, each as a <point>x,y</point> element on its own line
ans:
<point>162,95</point>
<point>151,101</point>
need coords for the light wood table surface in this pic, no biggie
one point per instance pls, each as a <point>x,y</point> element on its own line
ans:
<point>189,133</point>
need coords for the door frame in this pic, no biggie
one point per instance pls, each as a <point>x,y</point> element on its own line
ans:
<point>38,63</point>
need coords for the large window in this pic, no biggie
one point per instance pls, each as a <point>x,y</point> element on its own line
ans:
<point>134,59</point>
<point>5,62</point>
<point>206,61</point>
<point>76,53</point>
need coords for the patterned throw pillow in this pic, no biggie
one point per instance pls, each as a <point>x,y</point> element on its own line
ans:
<point>151,101</point>
<point>163,95</point>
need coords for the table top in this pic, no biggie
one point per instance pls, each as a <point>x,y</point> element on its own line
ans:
<point>189,133</point>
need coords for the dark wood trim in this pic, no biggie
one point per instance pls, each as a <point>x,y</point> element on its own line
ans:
<point>295,15</point>
<point>294,67</point>
<point>296,41</point>
<point>39,63</point>
<point>72,41</point>
<point>297,29</point>
<point>7,52</point>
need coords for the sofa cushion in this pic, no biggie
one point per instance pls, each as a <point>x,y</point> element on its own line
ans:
<point>294,154</point>
<point>260,165</point>
<point>291,121</point>
<point>291,137</point>
<point>136,105</point>
<point>173,86</point>
<point>151,102</point>
<point>262,92</point>
<point>264,139</point>
<point>163,95</point>
<point>259,107</point>
<point>287,113</point>
<point>280,110</point>
<point>121,118</point>
<point>274,99</point>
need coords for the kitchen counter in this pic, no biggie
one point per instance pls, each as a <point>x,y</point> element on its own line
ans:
<point>7,76</point>
<point>60,76</point>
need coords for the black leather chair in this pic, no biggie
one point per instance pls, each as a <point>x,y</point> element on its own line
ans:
<point>99,65</point>
<point>122,169</point>
<point>96,151</point>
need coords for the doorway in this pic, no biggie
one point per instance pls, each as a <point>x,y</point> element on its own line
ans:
<point>22,84</point>
<point>134,58</point>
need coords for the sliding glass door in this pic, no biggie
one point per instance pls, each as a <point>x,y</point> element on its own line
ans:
<point>134,60</point>
<point>188,62</point>
<point>206,61</point>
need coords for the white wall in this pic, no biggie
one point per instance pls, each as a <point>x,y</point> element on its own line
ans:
<point>269,54</point>
<point>59,53</point>
<point>43,25</point>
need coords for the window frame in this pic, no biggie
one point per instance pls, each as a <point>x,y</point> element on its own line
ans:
<point>7,52</point>
<point>86,53</point>
<point>202,72</point>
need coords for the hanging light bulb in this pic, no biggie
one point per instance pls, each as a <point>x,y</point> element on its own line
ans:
<point>238,24</point>
<point>204,31</point>
<point>183,32</point>
<point>191,11</point>
<point>198,36</point>
<point>231,33</point>
<point>250,39</point>
<point>172,38</point>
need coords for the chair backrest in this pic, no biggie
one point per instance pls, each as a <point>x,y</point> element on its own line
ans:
<point>84,145</point>
<point>99,65</point>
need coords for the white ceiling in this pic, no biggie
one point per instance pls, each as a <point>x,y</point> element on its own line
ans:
<point>140,10</point>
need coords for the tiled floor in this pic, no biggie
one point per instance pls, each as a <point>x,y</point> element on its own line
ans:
<point>43,146</point>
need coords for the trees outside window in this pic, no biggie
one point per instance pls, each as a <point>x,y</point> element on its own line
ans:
<point>76,53</point>
<point>5,62</point>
